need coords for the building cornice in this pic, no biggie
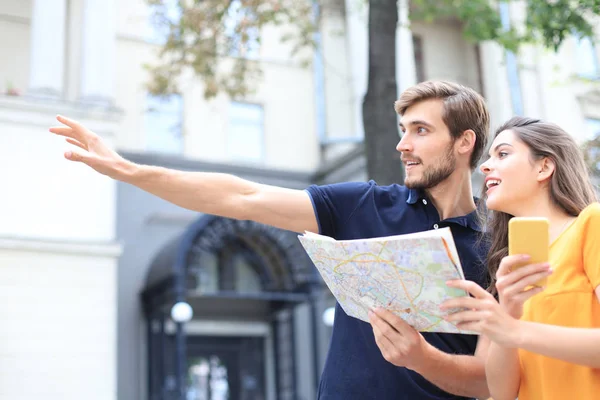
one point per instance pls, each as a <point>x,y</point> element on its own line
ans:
<point>62,247</point>
<point>40,112</point>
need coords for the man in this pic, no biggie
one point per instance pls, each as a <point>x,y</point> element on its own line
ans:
<point>445,130</point>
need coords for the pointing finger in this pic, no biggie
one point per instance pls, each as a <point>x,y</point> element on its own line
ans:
<point>63,131</point>
<point>76,143</point>
<point>69,122</point>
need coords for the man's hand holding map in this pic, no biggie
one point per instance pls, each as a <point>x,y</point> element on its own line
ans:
<point>405,274</point>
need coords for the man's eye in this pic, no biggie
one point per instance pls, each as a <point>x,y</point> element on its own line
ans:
<point>421,130</point>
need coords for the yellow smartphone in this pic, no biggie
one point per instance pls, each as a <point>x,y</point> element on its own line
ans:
<point>531,236</point>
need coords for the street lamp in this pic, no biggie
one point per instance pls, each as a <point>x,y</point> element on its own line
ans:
<point>181,312</point>
<point>329,316</point>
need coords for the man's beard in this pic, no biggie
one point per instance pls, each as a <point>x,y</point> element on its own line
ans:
<point>436,174</point>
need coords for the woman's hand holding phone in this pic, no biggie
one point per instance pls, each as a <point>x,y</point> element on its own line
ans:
<point>516,283</point>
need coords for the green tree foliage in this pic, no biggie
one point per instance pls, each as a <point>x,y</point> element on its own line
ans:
<point>213,39</point>
<point>547,22</point>
<point>201,32</point>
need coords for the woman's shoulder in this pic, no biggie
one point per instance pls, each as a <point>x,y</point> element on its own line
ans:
<point>591,211</point>
<point>589,217</point>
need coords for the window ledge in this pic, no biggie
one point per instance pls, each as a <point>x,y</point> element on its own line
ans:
<point>41,112</point>
<point>112,250</point>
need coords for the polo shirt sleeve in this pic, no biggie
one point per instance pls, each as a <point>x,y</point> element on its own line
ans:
<point>591,245</point>
<point>334,204</point>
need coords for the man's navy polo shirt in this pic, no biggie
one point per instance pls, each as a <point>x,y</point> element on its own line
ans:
<point>355,368</point>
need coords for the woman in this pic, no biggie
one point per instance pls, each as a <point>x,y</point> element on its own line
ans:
<point>545,341</point>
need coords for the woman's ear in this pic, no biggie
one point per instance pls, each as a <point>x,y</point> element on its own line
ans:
<point>546,169</point>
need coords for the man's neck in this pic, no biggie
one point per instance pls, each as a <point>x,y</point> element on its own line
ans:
<point>454,196</point>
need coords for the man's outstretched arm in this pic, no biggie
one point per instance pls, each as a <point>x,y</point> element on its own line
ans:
<point>403,346</point>
<point>211,193</point>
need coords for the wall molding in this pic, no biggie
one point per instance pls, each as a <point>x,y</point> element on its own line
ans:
<point>110,250</point>
<point>39,111</point>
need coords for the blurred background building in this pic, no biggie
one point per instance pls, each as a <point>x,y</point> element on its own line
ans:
<point>90,269</point>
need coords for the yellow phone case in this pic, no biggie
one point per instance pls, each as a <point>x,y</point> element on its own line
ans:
<point>530,235</point>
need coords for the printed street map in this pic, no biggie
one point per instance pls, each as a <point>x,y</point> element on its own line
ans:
<point>405,274</point>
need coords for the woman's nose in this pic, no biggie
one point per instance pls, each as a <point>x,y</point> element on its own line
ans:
<point>485,168</point>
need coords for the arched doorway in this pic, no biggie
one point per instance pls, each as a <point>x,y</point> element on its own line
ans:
<point>243,281</point>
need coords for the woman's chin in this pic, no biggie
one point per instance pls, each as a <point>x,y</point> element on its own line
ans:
<point>493,204</point>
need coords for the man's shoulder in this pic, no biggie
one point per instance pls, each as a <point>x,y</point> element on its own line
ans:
<point>356,187</point>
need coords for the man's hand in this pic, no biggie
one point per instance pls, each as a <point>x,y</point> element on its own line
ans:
<point>400,343</point>
<point>206,192</point>
<point>92,149</point>
<point>403,346</point>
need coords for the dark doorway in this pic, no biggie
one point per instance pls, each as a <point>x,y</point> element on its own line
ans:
<point>228,270</point>
<point>225,368</point>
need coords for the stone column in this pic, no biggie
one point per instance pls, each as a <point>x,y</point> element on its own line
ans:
<point>406,75</point>
<point>98,52</point>
<point>47,64</point>
<point>357,18</point>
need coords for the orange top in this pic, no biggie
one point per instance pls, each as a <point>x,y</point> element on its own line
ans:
<point>568,300</point>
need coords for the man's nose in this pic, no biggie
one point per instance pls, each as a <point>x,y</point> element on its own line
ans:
<point>404,144</point>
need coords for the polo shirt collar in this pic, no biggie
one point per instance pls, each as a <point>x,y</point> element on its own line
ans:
<point>470,220</point>
<point>414,195</point>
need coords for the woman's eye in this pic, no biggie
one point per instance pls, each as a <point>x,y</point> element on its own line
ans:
<point>501,154</point>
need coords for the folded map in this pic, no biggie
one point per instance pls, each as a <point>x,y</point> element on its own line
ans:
<point>405,274</point>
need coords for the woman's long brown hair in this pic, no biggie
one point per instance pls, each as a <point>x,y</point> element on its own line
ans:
<point>570,187</point>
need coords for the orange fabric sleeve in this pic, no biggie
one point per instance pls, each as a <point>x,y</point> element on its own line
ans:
<point>591,245</point>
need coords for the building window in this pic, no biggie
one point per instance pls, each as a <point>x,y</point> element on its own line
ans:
<point>586,59</point>
<point>245,134</point>
<point>163,124</point>
<point>419,59</point>
<point>512,65</point>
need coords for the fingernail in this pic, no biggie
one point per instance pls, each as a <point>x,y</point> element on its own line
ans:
<point>525,257</point>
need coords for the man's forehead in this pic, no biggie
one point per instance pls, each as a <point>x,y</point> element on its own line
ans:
<point>429,111</point>
<point>419,120</point>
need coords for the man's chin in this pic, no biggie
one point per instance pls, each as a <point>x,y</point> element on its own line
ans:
<point>412,183</point>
